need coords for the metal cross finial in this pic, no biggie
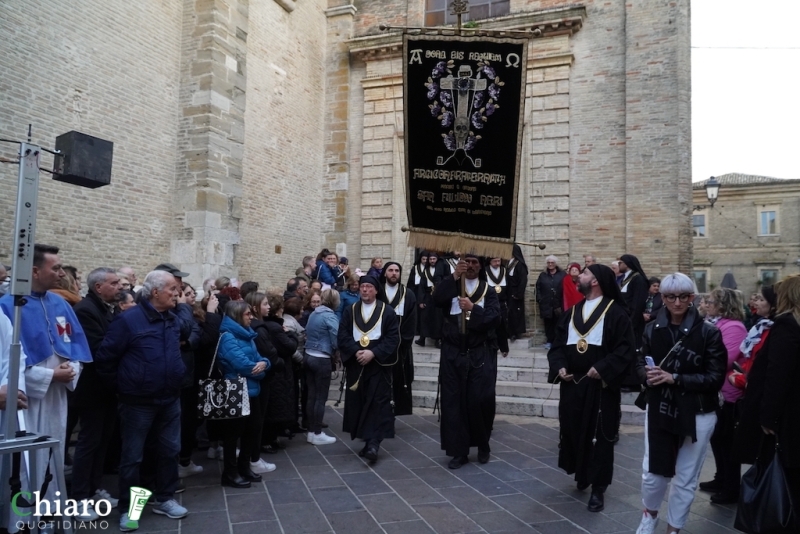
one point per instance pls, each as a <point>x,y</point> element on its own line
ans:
<point>459,7</point>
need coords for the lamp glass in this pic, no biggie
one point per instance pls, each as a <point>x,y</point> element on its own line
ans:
<point>712,190</point>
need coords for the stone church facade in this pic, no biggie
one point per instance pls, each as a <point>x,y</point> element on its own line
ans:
<point>248,134</point>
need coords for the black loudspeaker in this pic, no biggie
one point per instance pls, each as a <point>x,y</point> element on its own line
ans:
<point>86,160</point>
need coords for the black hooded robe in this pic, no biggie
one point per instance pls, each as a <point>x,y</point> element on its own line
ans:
<point>415,279</point>
<point>403,370</point>
<point>467,380</point>
<point>634,289</point>
<point>589,408</point>
<point>368,410</point>
<point>516,283</point>
<point>430,317</point>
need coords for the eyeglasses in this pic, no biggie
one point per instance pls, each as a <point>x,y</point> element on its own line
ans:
<point>711,302</point>
<point>684,297</point>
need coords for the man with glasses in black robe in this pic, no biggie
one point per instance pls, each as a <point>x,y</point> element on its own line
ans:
<point>591,354</point>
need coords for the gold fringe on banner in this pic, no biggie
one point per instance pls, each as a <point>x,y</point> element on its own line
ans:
<point>440,241</point>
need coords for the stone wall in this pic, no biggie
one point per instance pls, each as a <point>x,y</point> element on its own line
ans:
<point>110,69</point>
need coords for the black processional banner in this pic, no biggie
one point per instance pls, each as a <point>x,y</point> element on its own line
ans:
<point>463,104</point>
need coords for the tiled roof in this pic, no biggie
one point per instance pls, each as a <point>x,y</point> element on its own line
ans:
<point>735,179</point>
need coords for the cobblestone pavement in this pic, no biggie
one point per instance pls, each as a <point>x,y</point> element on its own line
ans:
<point>410,489</point>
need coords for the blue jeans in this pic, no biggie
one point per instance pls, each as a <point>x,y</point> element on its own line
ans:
<point>161,425</point>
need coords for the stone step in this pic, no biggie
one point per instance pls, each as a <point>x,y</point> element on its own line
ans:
<point>631,415</point>
<point>504,373</point>
<point>532,390</point>
<point>529,360</point>
<point>520,344</point>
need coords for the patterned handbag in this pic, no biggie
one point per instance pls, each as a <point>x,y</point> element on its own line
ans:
<point>222,398</point>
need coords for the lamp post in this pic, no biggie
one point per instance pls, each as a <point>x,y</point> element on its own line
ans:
<point>712,193</point>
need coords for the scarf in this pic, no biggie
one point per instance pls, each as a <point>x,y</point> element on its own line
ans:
<point>754,336</point>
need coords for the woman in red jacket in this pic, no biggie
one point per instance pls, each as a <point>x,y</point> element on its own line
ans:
<point>571,295</point>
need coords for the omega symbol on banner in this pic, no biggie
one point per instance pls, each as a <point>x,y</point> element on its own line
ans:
<point>461,106</point>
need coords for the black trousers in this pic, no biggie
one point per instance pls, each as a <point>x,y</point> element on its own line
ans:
<point>97,426</point>
<point>263,402</point>
<point>189,423</point>
<point>550,329</point>
<point>728,470</point>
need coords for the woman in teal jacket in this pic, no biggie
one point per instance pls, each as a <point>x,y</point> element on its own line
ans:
<point>237,356</point>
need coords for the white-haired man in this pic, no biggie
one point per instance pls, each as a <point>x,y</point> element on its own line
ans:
<point>549,293</point>
<point>141,354</point>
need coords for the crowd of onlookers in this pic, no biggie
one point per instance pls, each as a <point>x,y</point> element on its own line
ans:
<point>731,369</point>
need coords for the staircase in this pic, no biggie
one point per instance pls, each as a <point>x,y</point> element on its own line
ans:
<point>522,387</point>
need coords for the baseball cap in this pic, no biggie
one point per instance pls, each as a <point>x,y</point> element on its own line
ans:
<point>171,269</point>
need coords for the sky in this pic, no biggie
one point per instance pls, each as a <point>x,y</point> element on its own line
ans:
<point>745,88</point>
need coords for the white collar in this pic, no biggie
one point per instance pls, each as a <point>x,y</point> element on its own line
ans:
<point>589,306</point>
<point>391,291</point>
<point>471,284</point>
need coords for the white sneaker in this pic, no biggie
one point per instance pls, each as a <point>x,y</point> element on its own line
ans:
<point>189,470</point>
<point>211,454</point>
<point>171,509</point>
<point>127,524</point>
<point>88,515</point>
<point>648,524</point>
<point>261,466</point>
<point>320,439</point>
<point>547,346</point>
<point>103,494</point>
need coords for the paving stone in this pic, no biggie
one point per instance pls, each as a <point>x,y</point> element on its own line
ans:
<point>288,491</point>
<point>499,521</point>
<point>205,522</point>
<point>415,491</point>
<point>348,463</point>
<point>206,499</point>
<point>437,477</point>
<point>249,507</point>
<point>322,476</point>
<point>445,519</point>
<point>332,500</point>
<point>468,500</point>
<point>412,459</point>
<point>391,470</point>
<point>526,509</point>
<point>488,485</point>
<point>257,527</point>
<point>365,483</point>
<point>300,518</point>
<point>598,523</point>
<point>541,493</point>
<point>388,508</point>
<point>504,471</point>
<point>518,460</point>
<point>407,527</point>
<point>557,527</point>
<point>354,523</point>
<point>305,458</point>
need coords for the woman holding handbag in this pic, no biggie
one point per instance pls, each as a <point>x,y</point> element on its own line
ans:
<point>771,401</point>
<point>682,362</point>
<point>237,356</point>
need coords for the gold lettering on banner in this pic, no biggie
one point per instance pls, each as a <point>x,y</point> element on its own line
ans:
<point>490,200</point>
<point>460,176</point>
<point>436,54</point>
<point>416,57</point>
<point>464,198</point>
<point>425,196</point>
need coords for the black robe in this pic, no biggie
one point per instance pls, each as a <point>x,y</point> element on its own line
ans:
<point>368,410</point>
<point>430,317</point>
<point>502,297</point>
<point>467,377</point>
<point>635,295</point>
<point>414,287</point>
<point>403,371</point>
<point>516,283</point>
<point>583,398</point>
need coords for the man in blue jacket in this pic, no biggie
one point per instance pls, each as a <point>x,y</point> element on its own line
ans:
<point>141,355</point>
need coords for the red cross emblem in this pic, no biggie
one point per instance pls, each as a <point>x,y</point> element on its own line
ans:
<point>65,329</point>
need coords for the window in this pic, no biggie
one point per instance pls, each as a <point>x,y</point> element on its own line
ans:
<point>701,279</point>
<point>699,225</point>
<point>768,277</point>
<point>768,222</point>
<point>438,12</point>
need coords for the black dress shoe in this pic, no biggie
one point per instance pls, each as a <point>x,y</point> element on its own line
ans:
<point>420,342</point>
<point>582,486</point>
<point>596,502</point>
<point>371,454</point>
<point>713,486</point>
<point>234,481</point>
<point>724,498</point>
<point>438,344</point>
<point>248,474</point>
<point>483,456</point>
<point>457,462</point>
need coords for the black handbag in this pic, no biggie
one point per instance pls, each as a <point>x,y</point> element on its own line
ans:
<point>222,398</point>
<point>765,501</point>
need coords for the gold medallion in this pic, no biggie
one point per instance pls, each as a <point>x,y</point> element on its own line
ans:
<point>364,341</point>
<point>582,345</point>
<point>498,289</point>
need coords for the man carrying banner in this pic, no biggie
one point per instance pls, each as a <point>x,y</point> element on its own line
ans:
<point>496,278</point>
<point>468,361</point>
<point>404,305</point>
<point>591,353</point>
<point>368,341</point>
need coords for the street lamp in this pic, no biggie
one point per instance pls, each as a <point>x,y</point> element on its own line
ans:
<point>712,193</point>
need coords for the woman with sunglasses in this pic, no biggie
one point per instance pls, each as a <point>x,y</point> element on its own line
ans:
<point>683,378</point>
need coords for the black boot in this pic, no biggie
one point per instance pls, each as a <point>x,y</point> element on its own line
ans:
<point>596,501</point>
<point>232,479</point>
<point>230,474</point>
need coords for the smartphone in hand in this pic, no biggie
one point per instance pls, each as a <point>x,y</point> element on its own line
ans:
<point>649,361</point>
